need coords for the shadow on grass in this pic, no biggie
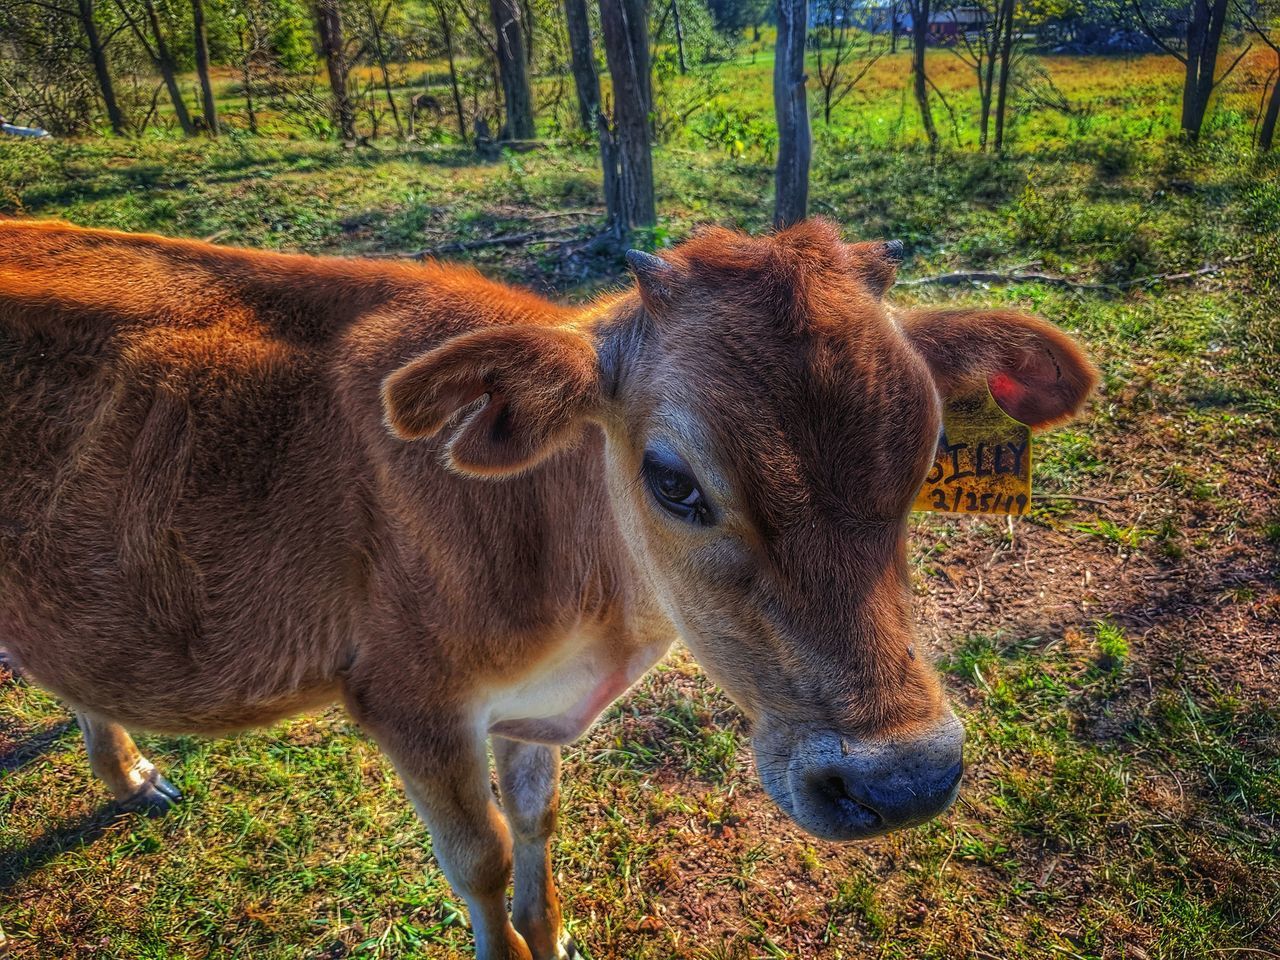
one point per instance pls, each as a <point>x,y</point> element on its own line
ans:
<point>17,863</point>
<point>34,747</point>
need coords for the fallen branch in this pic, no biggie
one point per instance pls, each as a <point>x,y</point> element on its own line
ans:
<point>958,277</point>
<point>555,214</point>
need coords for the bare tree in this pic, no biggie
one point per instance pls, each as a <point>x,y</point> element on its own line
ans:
<point>675,15</point>
<point>333,46</point>
<point>980,49</point>
<point>252,36</point>
<point>202,67</point>
<point>44,74</point>
<point>151,37</point>
<point>791,108</point>
<point>1202,24</point>
<point>446,30</point>
<point>625,26</point>
<point>380,50</point>
<point>919,77</point>
<point>1263,20</point>
<point>1006,12</point>
<point>841,66</point>
<point>513,69</point>
<point>101,68</point>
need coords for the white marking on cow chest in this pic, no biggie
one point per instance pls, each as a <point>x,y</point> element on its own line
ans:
<point>558,701</point>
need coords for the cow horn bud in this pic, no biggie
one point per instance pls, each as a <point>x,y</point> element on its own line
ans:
<point>654,276</point>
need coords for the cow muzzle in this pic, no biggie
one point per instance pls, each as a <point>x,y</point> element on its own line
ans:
<point>840,788</point>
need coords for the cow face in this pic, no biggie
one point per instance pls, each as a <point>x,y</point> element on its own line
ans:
<point>769,421</point>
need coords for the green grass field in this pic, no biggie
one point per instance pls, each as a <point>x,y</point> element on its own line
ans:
<point>1115,657</point>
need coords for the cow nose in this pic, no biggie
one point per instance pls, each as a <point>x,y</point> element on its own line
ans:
<point>849,790</point>
<point>884,806</point>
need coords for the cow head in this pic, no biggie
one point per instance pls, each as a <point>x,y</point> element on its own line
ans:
<point>769,420</point>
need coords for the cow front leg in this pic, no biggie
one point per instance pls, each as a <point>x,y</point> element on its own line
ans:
<point>446,776</point>
<point>131,777</point>
<point>529,777</point>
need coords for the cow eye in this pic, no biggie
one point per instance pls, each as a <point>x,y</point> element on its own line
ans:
<point>673,485</point>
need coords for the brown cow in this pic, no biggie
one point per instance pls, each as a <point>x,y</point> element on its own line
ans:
<point>237,485</point>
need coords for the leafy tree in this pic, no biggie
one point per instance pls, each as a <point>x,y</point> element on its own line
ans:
<point>734,16</point>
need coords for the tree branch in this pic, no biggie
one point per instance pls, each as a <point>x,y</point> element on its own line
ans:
<point>955,125</point>
<point>1263,34</point>
<point>74,14</point>
<point>1155,37</point>
<point>137,32</point>
<point>478,30</point>
<point>1234,63</point>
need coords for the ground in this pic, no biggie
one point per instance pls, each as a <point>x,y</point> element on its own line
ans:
<point>1115,656</point>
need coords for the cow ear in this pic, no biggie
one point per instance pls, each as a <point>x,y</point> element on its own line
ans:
<point>522,392</point>
<point>1035,371</point>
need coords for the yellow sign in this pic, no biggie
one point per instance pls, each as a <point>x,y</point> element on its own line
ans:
<point>983,463</point>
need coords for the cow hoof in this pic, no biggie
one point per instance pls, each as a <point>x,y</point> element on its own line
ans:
<point>568,949</point>
<point>154,797</point>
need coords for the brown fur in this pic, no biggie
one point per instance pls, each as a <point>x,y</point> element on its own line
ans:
<point>234,485</point>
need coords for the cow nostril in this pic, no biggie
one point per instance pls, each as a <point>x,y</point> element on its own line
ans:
<point>836,792</point>
<point>952,777</point>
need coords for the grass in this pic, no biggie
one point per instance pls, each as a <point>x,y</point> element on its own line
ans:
<point>1114,658</point>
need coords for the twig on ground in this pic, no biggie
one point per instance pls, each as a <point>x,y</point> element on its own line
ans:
<point>555,214</point>
<point>957,277</point>
<point>503,240</point>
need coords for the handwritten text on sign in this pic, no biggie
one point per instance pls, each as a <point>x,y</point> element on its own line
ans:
<point>983,463</point>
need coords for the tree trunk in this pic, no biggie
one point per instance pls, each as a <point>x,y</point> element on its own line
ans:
<point>513,69</point>
<point>202,68</point>
<point>246,75</point>
<point>593,121</point>
<point>791,108</point>
<point>893,26</point>
<point>1006,63</point>
<point>584,63</point>
<point>168,70</point>
<point>526,21</point>
<point>675,12</point>
<point>919,41</point>
<point>1267,134</point>
<point>1204,34</point>
<point>101,69</point>
<point>381,52</point>
<point>329,24</point>
<point>987,75</point>
<point>446,28</point>
<point>625,26</point>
